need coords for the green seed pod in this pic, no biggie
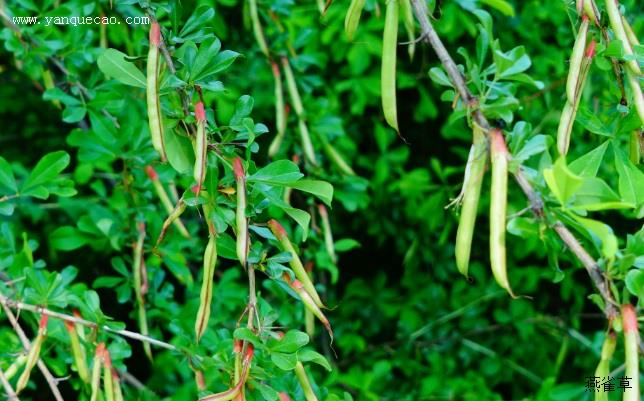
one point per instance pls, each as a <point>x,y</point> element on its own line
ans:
<point>590,9</point>
<point>138,265</point>
<point>15,366</point>
<point>280,113</point>
<point>173,218</point>
<point>296,101</point>
<point>410,26</point>
<point>201,146</point>
<point>205,298</point>
<point>498,208</point>
<point>631,349</point>
<point>576,58</point>
<point>108,383</point>
<point>474,171</point>
<point>309,303</point>
<point>167,204</point>
<point>328,235</point>
<point>257,28</point>
<point>155,120</point>
<point>241,222</point>
<point>118,392</point>
<point>77,352</point>
<point>632,38</point>
<point>352,18</point>
<point>388,70</point>
<point>603,368</point>
<point>616,23</point>
<point>335,157</point>
<point>33,355</point>
<point>300,373</point>
<point>295,263</point>
<point>96,372</point>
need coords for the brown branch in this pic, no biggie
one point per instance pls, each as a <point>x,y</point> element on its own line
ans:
<point>51,380</point>
<point>11,394</point>
<point>7,302</point>
<point>536,203</point>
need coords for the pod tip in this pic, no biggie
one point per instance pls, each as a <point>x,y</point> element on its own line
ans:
<point>155,34</point>
<point>200,112</point>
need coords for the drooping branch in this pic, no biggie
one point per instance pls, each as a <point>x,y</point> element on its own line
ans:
<point>536,202</point>
<point>10,303</point>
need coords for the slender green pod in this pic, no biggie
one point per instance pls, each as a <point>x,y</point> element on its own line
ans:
<point>173,218</point>
<point>155,119</point>
<point>118,392</point>
<point>77,352</point>
<point>32,355</point>
<point>201,146</point>
<point>567,119</point>
<point>138,265</point>
<point>576,58</point>
<point>631,349</point>
<point>589,8</point>
<point>498,208</point>
<point>296,101</point>
<point>167,204</point>
<point>257,28</point>
<point>410,26</point>
<point>108,382</point>
<point>352,18</point>
<point>310,304</point>
<point>280,113</point>
<point>241,222</point>
<point>302,377</point>
<point>295,263</point>
<point>630,34</point>
<point>328,234</point>
<point>388,68</point>
<point>96,372</point>
<point>616,23</point>
<point>15,366</point>
<point>335,157</point>
<point>205,297</point>
<point>603,367</point>
<point>474,171</point>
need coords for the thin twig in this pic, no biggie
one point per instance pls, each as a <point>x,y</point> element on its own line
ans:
<point>51,380</point>
<point>11,394</point>
<point>536,202</point>
<point>6,302</point>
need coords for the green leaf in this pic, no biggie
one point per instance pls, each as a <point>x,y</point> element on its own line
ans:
<point>562,182</point>
<point>7,180</point>
<point>602,234</point>
<point>510,63</point>
<point>179,151</point>
<point>592,123</point>
<point>346,244</point>
<point>284,361</point>
<point>291,342</point>
<point>46,170</point>
<point>588,164</point>
<point>595,194</point>
<point>501,5</point>
<point>321,189</point>
<point>308,355</point>
<point>635,282</point>
<point>246,334</point>
<point>113,64</point>
<point>280,173</point>
<point>631,179</point>
<point>67,238</point>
